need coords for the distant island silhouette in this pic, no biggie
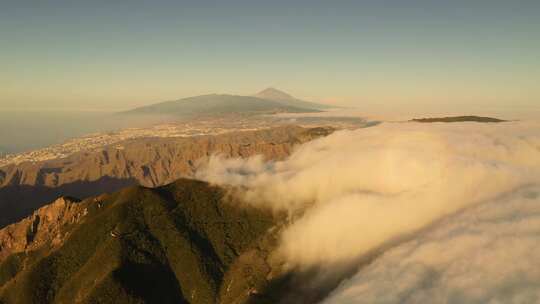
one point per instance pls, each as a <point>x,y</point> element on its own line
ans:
<point>458,119</point>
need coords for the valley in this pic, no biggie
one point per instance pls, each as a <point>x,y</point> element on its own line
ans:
<point>150,160</point>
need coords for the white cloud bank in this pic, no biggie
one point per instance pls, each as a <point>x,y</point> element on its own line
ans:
<point>359,191</point>
<point>490,254</point>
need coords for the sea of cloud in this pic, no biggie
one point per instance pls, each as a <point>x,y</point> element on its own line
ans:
<point>488,254</point>
<point>428,203</point>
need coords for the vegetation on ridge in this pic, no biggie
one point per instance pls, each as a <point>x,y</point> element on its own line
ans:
<point>182,243</point>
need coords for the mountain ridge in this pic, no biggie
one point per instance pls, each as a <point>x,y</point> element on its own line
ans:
<point>150,162</point>
<point>287,99</point>
<point>468,118</point>
<point>273,94</point>
<point>186,242</point>
<point>219,105</point>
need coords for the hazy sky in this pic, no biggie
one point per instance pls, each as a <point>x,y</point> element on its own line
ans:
<point>118,54</point>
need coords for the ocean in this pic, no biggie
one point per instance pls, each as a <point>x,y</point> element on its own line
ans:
<point>29,130</point>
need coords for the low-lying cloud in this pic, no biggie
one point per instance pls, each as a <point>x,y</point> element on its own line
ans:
<point>489,254</point>
<point>359,192</point>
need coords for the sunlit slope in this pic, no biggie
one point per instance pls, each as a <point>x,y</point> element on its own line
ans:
<point>150,162</point>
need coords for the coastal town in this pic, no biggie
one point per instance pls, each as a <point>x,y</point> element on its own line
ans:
<point>96,141</point>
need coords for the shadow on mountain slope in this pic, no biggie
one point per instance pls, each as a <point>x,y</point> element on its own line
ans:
<point>19,201</point>
<point>187,242</point>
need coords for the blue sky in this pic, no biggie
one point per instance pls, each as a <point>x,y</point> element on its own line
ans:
<point>119,54</point>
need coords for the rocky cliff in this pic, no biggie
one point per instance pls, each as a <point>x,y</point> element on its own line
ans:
<point>150,162</point>
<point>42,228</point>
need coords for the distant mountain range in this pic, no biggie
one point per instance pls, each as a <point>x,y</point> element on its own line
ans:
<point>268,101</point>
<point>286,99</point>
<point>458,119</point>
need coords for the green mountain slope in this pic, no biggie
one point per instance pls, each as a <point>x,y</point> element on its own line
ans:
<point>218,104</point>
<point>187,242</point>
